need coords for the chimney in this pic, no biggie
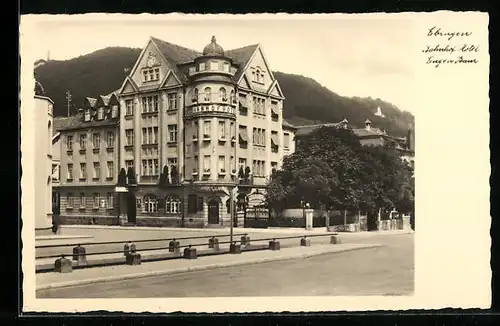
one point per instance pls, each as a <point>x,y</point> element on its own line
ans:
<point>368,124</point>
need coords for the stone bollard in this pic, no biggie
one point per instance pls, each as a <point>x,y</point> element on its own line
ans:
<point>335,239</point>
<point>79,254</point>
<point>174,246</point>
<point>274,245</point>
<point>126,248</point>
<point>245,240</point>
<point>234,248</point>
<point>133,258</point>
<point>213,243</point>
<point>305,242</point>
<point>190,253</point>
<point>63,265</point>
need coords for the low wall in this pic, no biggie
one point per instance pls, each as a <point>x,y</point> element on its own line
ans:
<point>345,228</point>
<point>395,224</point>
<point>140,221</point>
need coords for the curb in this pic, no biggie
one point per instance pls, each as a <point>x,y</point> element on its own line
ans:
<point>197,268</point>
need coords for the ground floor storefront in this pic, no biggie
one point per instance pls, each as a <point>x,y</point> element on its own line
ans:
<point>199,205</point>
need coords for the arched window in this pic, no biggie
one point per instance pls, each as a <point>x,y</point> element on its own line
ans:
<point>208,94</point>
<point>172,204</point>
<point>195,95</point>
<point>150,204</point>
<point>223,94</point>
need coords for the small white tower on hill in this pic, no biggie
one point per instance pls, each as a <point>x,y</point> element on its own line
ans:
<point>379,113</point>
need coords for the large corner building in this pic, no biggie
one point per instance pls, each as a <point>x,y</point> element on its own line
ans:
<point>197,119</point>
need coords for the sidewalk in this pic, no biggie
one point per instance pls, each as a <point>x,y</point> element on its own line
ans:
<point>124,272</point>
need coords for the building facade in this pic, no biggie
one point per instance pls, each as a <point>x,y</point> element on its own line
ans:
<point>43,117</point>
<point>195,128</point>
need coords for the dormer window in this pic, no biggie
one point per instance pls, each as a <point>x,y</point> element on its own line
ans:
<point>223,94</point>
<point>208,94</point>
<point>100,114</point>
<point>87,115</point>
<point>114,111</point>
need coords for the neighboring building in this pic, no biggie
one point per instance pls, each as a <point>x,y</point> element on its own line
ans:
<point>200,117</point>
<point>43,153</point>
<point>370,136</point>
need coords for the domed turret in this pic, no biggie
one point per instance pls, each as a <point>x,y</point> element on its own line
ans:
<point>213,48</point>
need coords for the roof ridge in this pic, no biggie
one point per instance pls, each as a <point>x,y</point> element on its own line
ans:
<point>243,47</point>
<point>177,45</point>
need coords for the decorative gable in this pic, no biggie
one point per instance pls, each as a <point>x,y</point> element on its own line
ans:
<point>258,72</point>
<point>170,80</point>
<point>276,90</point>
<point>150,68</point>
<point>244,83</point>
<point>128,87</point>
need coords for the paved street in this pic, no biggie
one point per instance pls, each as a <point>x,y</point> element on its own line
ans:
<point>386,270</point>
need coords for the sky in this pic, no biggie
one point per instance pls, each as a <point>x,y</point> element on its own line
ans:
<point>352,55</point>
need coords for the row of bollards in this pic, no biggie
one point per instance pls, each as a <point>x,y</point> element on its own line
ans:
<point>64,265</point>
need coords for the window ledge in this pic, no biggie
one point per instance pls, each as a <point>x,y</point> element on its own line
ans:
<point>96,179</point>
<point>129,147</point>
<point>109,178</point>
<point>83,179</point>
<point>69,180</point>
<point>95,150</point>
<point>110,149</point>
<point>129,116</point>
<point>82,151</point>
<point>172,143</point>
<point>69,152</point>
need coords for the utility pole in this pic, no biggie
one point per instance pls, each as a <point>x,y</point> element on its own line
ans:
<point>68,98</point>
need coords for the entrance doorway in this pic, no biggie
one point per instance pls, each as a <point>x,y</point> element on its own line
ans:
<point>213,212</point>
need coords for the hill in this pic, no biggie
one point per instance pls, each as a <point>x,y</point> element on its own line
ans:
<point>307,102</point>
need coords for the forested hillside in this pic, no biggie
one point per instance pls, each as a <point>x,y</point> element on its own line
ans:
<point>103,71</point>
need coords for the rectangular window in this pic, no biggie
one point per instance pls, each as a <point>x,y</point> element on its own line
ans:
<point>222,130</point>
<point>83,170</point>
<point>110,139</point>
<point>87,115</point>
<point>114,111</point>
<point>129,107</point>
<point>232,164</point>
<point>110,200</point>
<point>172,101</point>
<point>82,200</point>
<point>286,140</point>
<point>150,104</point>
<point>172,133</point>
<point>83,142</point>
<point>155,135</point>
<point>226,66</point>
<point>144,167</point>
<point>69,200</point>
<point>151,74</point>
<point>70,171</point>
<point>69,143</point>
<point>96,141</point>
<point>96,198</point>
<point>222,164</point>
<point>206,163</point>
<point>258,168</point>
<point>100,114</point>
<point>196,163</point>
<point>145,136</point>
<point>214,65</point>
<point>111,170</point>
<point>274,166</point>
<point>157,73</point>
<point>97,170</point>
<point>129,134</point>
<point>202,66</point>
<point>156,167</point>
<point>207,128</point>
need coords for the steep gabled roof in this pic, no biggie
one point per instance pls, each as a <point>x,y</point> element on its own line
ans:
<point>76,122</point>
<point>60,123</point>
<point>241,56</point>
<point>92,101</point>
<point>307,129</point>
<point>175,54</point>
<point>373,132</point>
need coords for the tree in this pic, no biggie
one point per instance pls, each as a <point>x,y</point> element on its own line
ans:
<point>131,176</point>
<point>241,173</point>
<point>122,178</point>
<point>164,177</point>
<point>174,176</point>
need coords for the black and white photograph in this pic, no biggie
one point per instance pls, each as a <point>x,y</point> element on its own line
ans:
<point>254,157</point>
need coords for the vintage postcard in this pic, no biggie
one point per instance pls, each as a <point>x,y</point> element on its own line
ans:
<point>255,163</point>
